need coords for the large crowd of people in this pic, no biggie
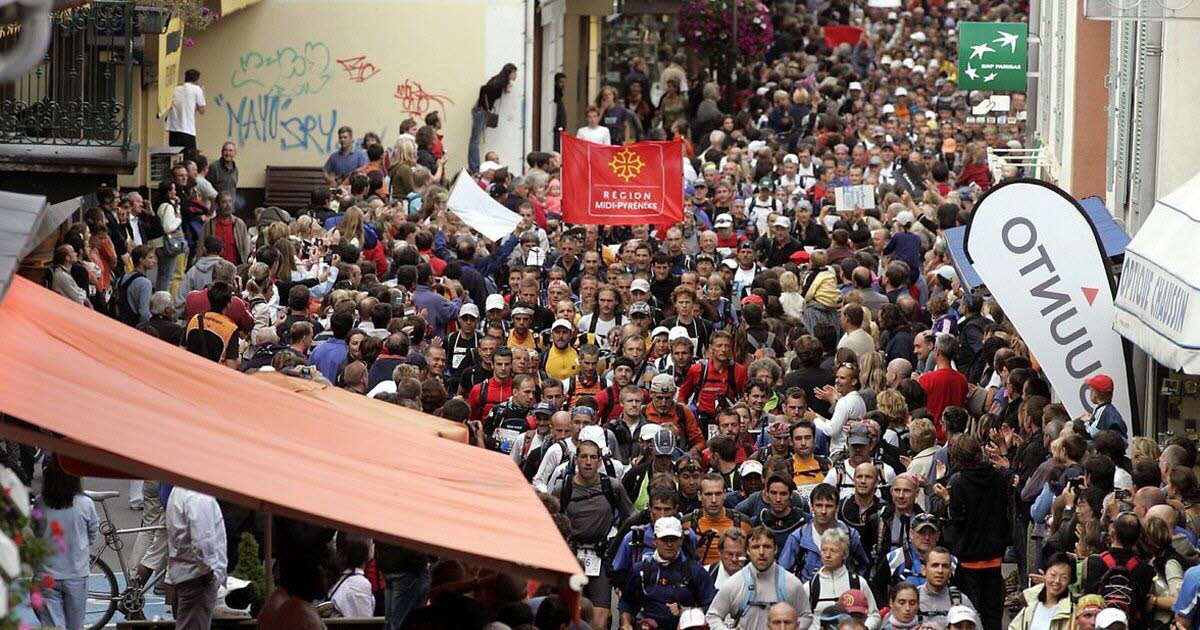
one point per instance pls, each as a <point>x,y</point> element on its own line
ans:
<point>778,413</point>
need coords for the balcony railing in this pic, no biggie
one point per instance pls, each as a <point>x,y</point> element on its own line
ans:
<point>80,94</point>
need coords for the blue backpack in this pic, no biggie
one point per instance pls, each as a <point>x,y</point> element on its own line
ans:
<point>750,588</point>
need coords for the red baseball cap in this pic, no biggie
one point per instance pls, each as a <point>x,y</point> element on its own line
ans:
<point>854,601</point>
<point>1101,383</point>
<point>752,299</point>
<point>799,257</point>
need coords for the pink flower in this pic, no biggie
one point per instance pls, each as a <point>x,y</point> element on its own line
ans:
<point>205,11</point>
<point>24,626</point>
<point>189,42</point>
<point>36,601</point>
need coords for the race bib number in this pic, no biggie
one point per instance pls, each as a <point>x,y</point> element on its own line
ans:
<point>590,562</point>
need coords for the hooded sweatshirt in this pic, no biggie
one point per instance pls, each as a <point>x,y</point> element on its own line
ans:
<point>199,277</point>
<point>974,512</point>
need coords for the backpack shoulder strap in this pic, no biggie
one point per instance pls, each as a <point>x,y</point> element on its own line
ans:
<point>568,487</point>
<point>703,380</point>
<point>606,486</point>
<point>814,590</point>
<point>748,591</point>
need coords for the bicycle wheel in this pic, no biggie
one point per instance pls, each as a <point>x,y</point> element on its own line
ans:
<point>102,594</point>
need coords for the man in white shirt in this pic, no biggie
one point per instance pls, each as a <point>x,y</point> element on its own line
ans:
<point>186,102</point>
<point>196,563</point>
<point>594,131</point>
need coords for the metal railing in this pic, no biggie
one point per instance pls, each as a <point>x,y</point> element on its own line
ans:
<point>1035,162</point>
<point>81,92</point>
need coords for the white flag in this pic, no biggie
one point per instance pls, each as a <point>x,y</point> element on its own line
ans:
<point>479,211</point>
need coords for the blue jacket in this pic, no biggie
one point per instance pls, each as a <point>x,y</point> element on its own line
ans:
<point>438,310</point>
<point>803,558</point>
<point>652,585</point>
<point>623,560</point>
<point>906,247</point>
<point>1108,418</point>
<point>329,358</point>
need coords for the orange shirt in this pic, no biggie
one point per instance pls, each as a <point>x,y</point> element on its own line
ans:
<point>709,547</point>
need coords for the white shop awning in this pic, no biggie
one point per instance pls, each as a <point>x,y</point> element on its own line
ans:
<point>1160,282</point>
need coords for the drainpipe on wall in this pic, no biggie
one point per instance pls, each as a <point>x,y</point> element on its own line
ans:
<point>1033,71</point>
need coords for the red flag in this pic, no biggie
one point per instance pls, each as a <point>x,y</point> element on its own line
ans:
<point>631,185</point>
<point>837,35</point>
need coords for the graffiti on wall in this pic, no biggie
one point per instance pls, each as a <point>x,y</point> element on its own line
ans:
<point>270,97</point>
<point>358,69</point>
<point>417,102</point>
<point>288,71</point>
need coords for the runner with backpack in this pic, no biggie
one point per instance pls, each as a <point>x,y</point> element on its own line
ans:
<point>1119,574</point>
<point>661,588</point>
<point>594,504</point>
<point>131,296</point>
<point>747,596</point>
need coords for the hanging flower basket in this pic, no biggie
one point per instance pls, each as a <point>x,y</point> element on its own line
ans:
<point>706,27</point>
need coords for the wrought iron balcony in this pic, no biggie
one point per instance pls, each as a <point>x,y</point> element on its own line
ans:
<point>80,94</point>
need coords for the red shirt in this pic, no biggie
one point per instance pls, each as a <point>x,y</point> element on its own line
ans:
<point>223,229</point>
<point>716,383</point>
<point>944,387</point>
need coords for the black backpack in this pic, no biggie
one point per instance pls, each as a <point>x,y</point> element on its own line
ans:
<point>1118,586</point>
<point>126,313</point>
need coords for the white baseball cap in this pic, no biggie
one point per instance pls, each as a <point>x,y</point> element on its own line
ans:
<point>668,526</point>
<point>904,217</point>
<point>495,301</point>
<point>661,330</point>
<point>750,467</point>
<point>648,431</point>
<point>490,166</point>
<point>723,220</point>
<point>469,309</point>
<point>678,332</point>
<point>888,108</point>
<point>729,262</point>
<point>959,614</point>
<point>855,85</point>
<point>692,618</point>
<point>562,323</point>
<point>595,434</point>
<point>782,222</point>
<point>901,91</point>
<point>640,284</point>
<point>1109,617</point>
<point>945,271</point>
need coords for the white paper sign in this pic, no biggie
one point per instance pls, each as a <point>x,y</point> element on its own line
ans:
<point>883,4</point>
<point>849,197</point>
<point>479,211</point>
<point>994,103</point>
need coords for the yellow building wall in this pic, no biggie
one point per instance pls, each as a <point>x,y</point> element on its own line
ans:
<point>282,76</point>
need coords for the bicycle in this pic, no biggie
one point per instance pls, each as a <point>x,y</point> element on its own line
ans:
<point>132,600</point>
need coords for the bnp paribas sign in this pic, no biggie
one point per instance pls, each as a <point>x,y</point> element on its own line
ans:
<point>992,56</point>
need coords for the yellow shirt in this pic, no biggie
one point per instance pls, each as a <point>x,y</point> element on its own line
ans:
<point>562,364</point>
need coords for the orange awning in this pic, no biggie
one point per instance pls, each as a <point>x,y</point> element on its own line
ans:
<point>113,397</point>
<point>346,400</point>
